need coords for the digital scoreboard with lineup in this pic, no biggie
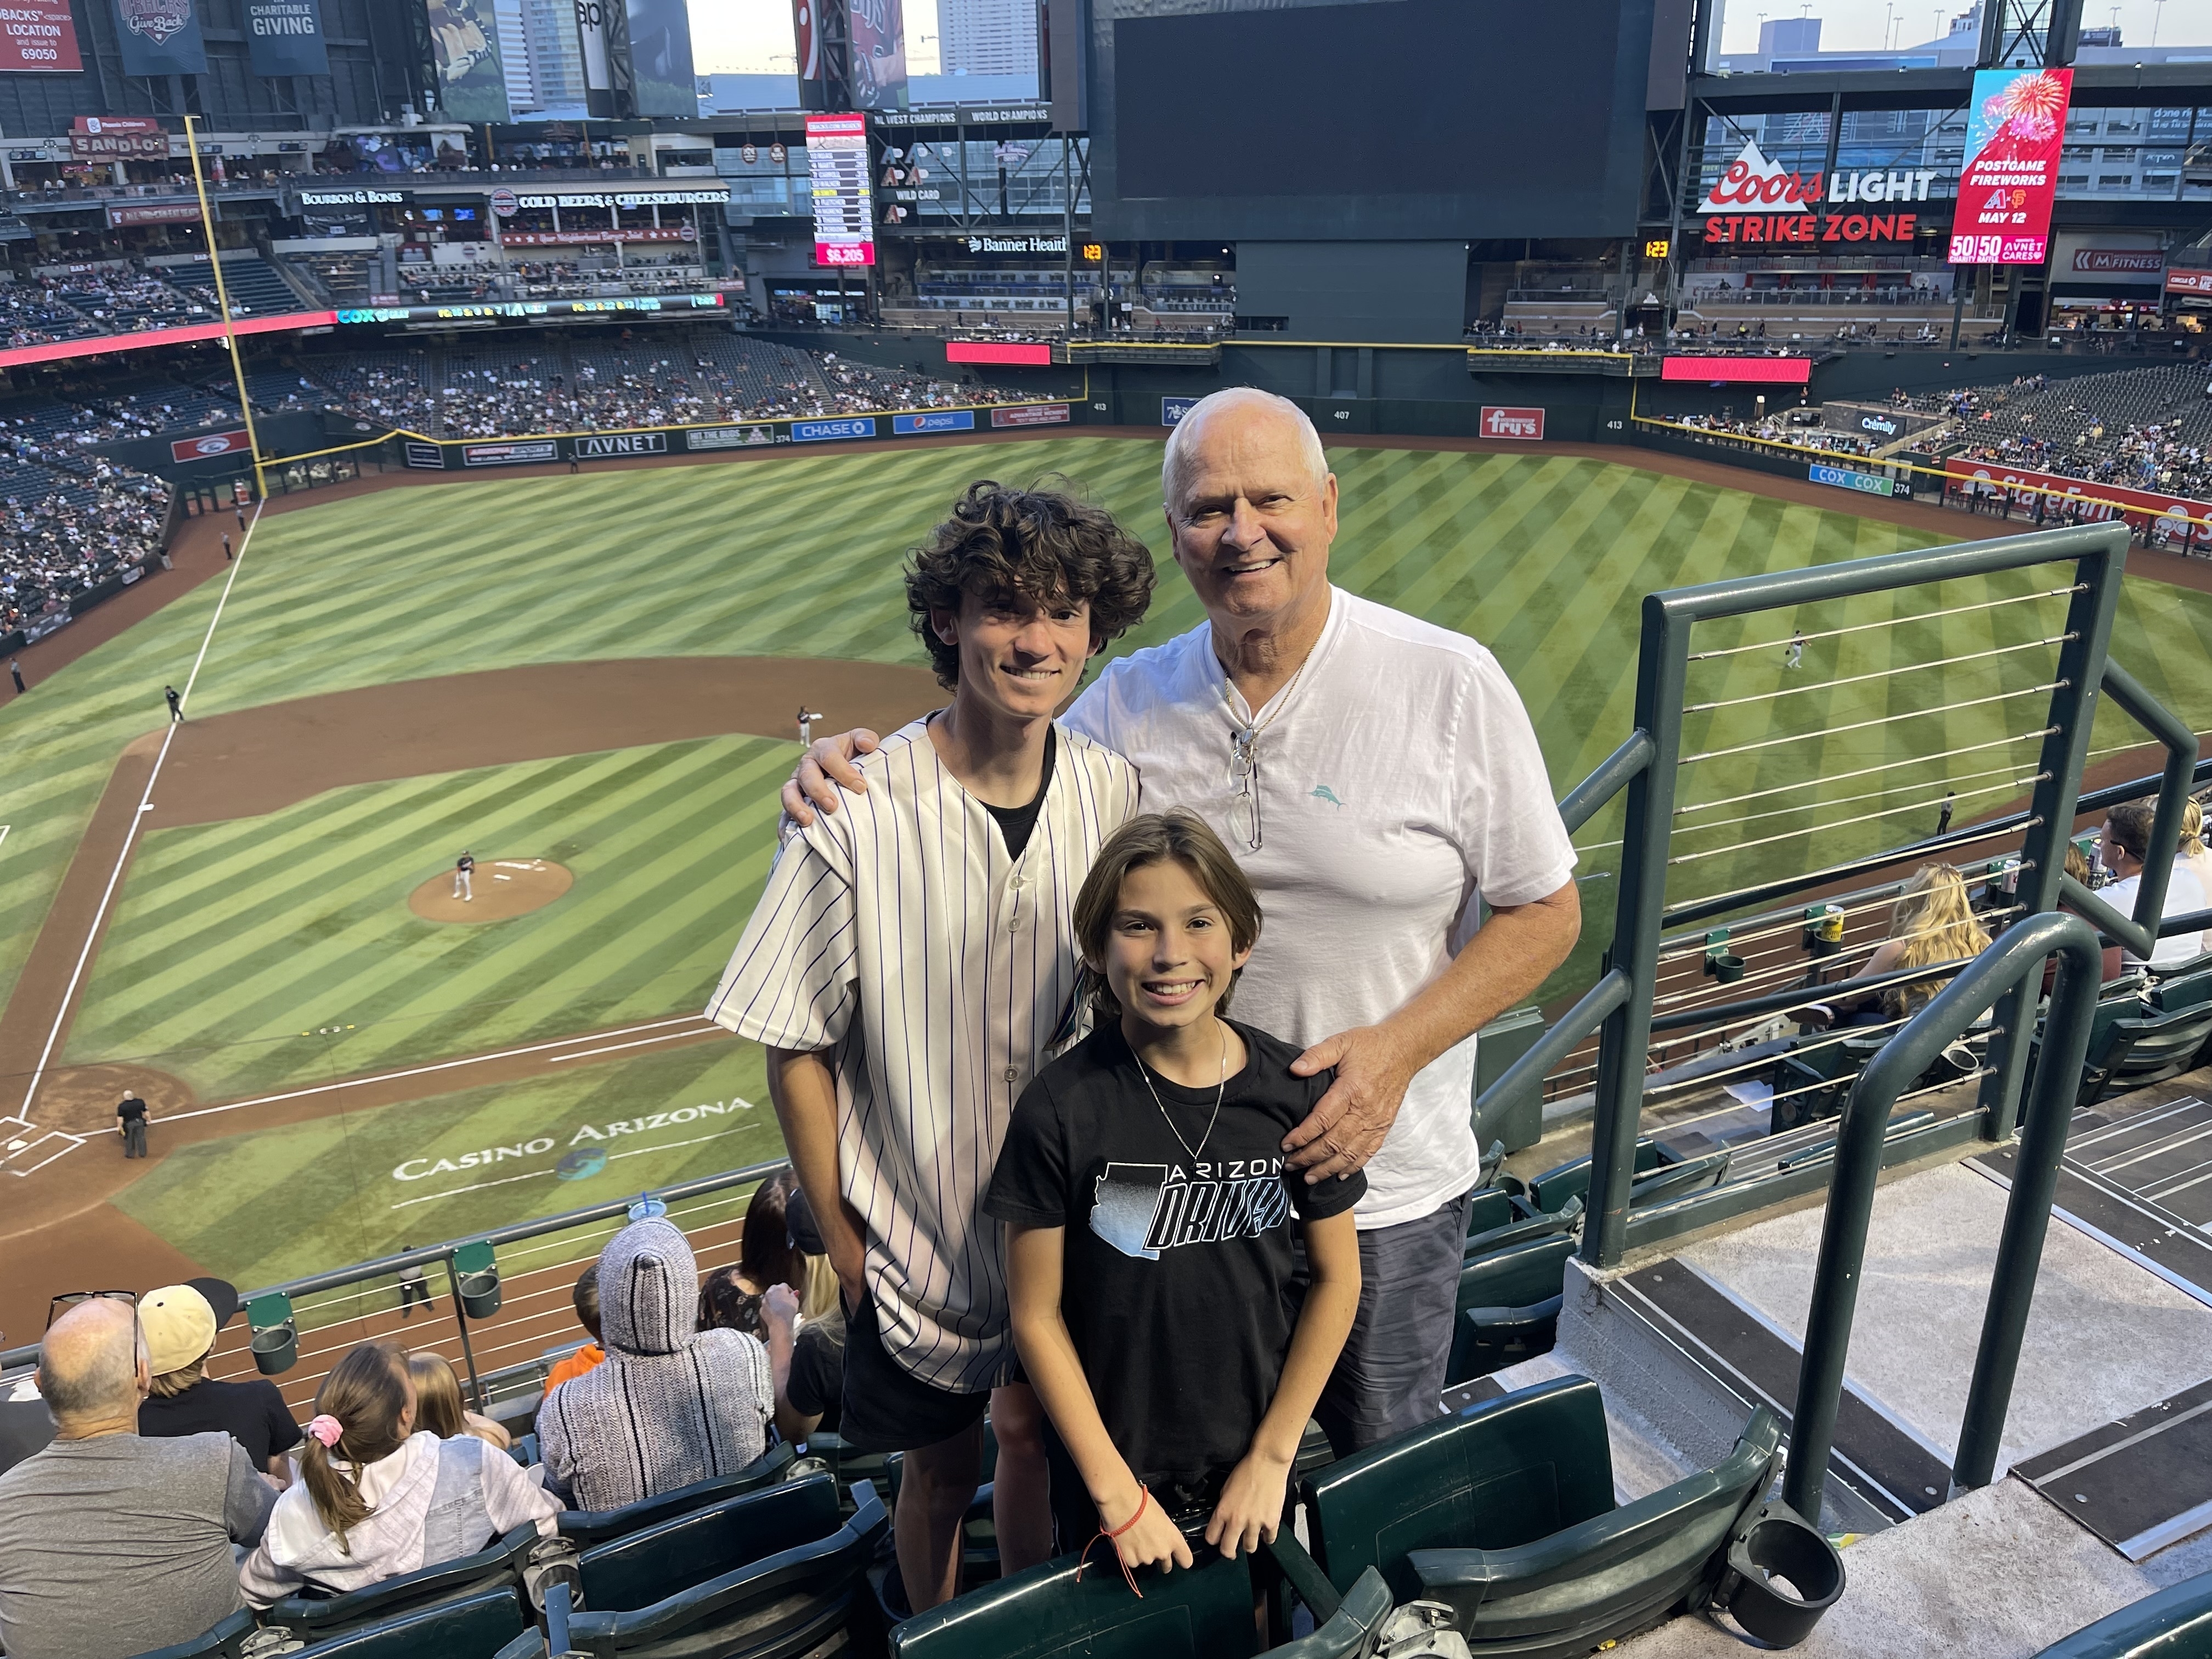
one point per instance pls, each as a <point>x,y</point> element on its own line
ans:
<point>844,205</point>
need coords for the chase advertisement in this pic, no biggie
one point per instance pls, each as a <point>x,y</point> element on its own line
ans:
<point>465,38</point>
<point>159,37</point>
<point>285,37</point>
<point>2015,135</point>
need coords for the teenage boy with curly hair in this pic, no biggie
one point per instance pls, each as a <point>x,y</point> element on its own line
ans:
<point>910,968</point>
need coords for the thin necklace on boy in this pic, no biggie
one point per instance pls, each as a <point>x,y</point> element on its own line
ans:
<point>1220,1089</point>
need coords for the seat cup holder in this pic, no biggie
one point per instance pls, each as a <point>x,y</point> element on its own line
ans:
<point>1724,967</point>
<point>275,1349</point>
<point>1779,1544</point>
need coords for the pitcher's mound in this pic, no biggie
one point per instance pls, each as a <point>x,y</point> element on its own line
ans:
<point>502,888</point>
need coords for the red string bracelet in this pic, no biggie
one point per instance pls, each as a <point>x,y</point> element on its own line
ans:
<point>1144,1498</point>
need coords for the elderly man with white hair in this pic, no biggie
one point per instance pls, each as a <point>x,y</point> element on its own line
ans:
<point>1374,775</point>
<point>110,1543</point>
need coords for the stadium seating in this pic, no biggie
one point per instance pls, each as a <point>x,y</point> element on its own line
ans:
<point>472,1627</point>
<point>775,1607</point>
<point>2176,1623</point>
<point>636,1569</point>
<point>1506,1513</point>
<point>315,1617</point>
<point>1508,1307</point>
<point>589,1527</point>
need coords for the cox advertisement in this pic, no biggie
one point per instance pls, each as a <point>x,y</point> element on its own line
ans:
<point>2175,521</point>
<point>2013,136</point>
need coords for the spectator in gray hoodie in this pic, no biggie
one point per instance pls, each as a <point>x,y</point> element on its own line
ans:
<point>673,1404</point>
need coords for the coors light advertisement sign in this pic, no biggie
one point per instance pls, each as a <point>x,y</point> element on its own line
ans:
<point>159,37</point>
<point>1760,201</point>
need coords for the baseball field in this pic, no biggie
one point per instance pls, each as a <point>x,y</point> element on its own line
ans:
<point>589,682</point>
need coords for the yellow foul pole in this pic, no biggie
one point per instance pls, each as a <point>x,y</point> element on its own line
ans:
<point>222,303</point>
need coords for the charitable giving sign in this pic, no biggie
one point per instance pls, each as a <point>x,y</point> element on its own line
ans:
<point>2014,138</point>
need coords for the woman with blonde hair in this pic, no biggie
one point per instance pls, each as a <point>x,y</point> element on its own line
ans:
<point>379,1495</point>
<point>2193,857</point>
<point>439,1407</point>
<point>1933,920</point>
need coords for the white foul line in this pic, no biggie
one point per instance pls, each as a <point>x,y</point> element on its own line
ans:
<point>412,1071</point>
<point>668,1036</point>
<point>130,835</point>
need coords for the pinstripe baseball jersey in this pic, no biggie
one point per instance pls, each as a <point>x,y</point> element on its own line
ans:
<point>899,933</point>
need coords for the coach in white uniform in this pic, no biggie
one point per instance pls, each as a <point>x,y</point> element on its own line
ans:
<point>1374,774</point>
<point>909,966</point>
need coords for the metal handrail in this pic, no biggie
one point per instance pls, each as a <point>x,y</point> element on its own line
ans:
<point>515,1233</point>
<point>2005,970</point>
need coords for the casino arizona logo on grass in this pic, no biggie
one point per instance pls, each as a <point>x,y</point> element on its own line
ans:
<point>420,1168</point>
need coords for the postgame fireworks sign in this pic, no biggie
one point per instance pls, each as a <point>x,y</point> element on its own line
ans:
<point>2010,178</point>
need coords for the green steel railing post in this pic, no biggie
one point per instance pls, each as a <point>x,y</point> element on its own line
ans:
<point>2081,667</point>
<point>2027,1210</point>
<point>2014,960</point>
<point>1661,669</point>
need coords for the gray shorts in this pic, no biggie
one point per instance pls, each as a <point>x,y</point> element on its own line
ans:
<point>1390,1376</point>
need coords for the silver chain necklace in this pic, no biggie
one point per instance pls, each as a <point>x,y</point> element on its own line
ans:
<point>1219,1090</point>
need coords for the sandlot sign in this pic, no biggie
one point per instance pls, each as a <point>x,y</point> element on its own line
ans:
<point>585,1134</point>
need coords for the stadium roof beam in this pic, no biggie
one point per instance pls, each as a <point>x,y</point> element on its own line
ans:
<point>2124,86</point>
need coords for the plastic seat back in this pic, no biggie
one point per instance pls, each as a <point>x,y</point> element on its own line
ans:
<point>473,1627</point>
<point>776,1608</point>
<point>1542,1224</point>
<point>1063,1609</point>
<point>314,1618</point>
<point>1502,1473</point>
<point>1671,1180</point>
<point>2174,1624</point>
<point>2180,991</point>
<point>654,1563</point>
<point>589,1527</point>
<point>1552,1188</point>
<point>2163,1046</point>
<point>1579,1586</point>
<point>1488,1208</point>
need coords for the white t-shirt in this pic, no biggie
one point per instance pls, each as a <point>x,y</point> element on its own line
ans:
<point>2183,895</point>
<point>1400,776</point>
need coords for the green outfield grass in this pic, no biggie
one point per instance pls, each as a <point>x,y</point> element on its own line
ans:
<point>278,1203</point>
<point>232,939</point>
<point>252,955</point>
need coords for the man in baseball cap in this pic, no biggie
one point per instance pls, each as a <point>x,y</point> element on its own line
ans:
<point>180,1322</point>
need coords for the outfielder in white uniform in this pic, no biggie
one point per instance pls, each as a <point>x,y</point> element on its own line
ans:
<point>912,965</point>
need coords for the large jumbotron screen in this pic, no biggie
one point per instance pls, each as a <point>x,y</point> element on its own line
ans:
<point>1397,119</point>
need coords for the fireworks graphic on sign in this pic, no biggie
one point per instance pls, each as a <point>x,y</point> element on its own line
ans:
<point>2028,110</point>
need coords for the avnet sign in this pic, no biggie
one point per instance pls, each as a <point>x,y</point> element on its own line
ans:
<point>597,445</point>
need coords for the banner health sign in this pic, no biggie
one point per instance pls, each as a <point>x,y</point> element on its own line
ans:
<point>465,34</point>
<point>2016,130</point>
<point>159,37</point>
<point>285,37</point>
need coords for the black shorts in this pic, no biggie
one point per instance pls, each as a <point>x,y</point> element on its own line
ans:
<point>884,1408</point>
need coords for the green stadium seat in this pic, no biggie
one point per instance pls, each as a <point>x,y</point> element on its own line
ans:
<point>1542,1224</point>
<point>1505,1513</point>
<point>225,1641</point>
<point>1551,1190</point>
<point>525,1450</point>
<point>845,1460</point>
<point>1673,1181</point>
<point>1508,1307</point>
<point>2174,1624</point>
<point>2180,991</point>
<point>778,1607</point>
<point>1348,1631</point>
<point>587,1527</point>
<point>473,1627</point>
<point>654,1563</point>
<point>1488,1208</point>
<point>2153,1049</point>
<point>1063,1609</point>
<point>316,1618</point>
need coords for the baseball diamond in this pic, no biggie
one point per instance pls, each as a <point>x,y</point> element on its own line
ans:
<point>597,672</point>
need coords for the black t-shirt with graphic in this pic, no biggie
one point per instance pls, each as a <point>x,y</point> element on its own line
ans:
<point>1177,1282</point>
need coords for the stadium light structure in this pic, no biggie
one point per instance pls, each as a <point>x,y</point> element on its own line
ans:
<point>222,306</point>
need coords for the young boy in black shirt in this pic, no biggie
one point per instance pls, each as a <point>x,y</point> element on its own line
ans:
<point>1149,1215</point>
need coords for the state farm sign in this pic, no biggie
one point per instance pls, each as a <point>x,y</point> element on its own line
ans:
<point>1523,423</point>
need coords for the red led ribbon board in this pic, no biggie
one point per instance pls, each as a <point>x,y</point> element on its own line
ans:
<point>1750,371</point>
<point>997,351</point>
<point>2015,132</point>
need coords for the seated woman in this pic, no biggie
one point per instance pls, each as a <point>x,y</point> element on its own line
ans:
<point>805,1321</point>
<point>379,1497</point>
<point>438,1405</point>
<point>1933,920</point>
<point>730,1298</point>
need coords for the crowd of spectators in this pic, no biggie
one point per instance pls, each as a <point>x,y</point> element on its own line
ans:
<point>2144,429</point>
<point>1773,430</point>
<point>199,1497</point>
<point>62,536</point>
